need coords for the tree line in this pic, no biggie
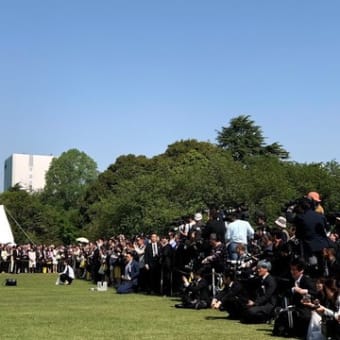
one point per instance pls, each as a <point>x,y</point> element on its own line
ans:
<point>136,194</point>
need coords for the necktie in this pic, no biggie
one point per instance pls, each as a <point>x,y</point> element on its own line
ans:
<point>154,249</point>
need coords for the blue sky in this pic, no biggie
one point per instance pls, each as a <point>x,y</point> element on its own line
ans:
<point>117,77</point>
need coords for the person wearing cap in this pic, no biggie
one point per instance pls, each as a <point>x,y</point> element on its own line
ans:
<point>310,230</point>
<point>259,310</point>
<point>315,197</point>
<point>281,222</point>
<point>198,226</point>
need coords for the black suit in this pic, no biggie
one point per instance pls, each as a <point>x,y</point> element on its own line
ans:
<point>302,314</point>
<point>215,227</point>
<point>152,265</point>
<point>197,295</point>
<point>233,298</point>
<point>265,301</point>
<point>166,261</point>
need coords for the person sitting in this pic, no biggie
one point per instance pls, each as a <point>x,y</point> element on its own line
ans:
<point>129,281</point>
<point>196,293</point>
<point>260,309</point>
<point>302,288</point>
<point>67,275</point>
<point>229,298</point>
<point>326,312</point>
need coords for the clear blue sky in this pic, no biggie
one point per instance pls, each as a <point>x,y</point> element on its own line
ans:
<point>116,77</point>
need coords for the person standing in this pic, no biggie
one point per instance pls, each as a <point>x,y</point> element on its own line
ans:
<point>152,265</point>
<point>238,232</point>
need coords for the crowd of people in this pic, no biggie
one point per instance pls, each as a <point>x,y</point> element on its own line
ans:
<point>287,272</point>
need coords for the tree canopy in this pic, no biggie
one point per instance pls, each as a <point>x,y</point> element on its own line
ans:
<point>245,139</point>
<point>137,194</point>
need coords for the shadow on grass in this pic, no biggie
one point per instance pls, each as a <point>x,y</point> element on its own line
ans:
<point>216,318</point>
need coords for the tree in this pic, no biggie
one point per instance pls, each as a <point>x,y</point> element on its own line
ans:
<point>68,178</point>
<point>245,139</point>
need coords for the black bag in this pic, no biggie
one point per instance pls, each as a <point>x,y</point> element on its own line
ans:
<point>284,323</point>
<point>10,282</point>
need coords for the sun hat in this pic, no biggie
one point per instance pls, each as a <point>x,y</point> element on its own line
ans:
<point>281,222</point>
<point>198,217</point>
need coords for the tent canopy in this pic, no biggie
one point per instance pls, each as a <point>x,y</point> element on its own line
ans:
<point>6,235</point>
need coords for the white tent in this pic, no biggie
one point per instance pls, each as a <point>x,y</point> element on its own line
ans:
<point>6,235</point>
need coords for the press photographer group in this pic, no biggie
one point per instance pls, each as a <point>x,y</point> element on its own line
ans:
<point>285,272</point>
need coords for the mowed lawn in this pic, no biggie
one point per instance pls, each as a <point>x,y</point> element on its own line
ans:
<point>38,309</point>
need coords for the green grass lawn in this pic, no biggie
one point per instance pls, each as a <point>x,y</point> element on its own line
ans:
<point>38,309</point>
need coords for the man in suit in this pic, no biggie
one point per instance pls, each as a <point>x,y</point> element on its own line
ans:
<point>166,262</point>
<point>260,309</point>
<point>196,293</point>
<point>231,298</point>
<point>302,286</point>
<point>152,265</point>
<point>129,281</point>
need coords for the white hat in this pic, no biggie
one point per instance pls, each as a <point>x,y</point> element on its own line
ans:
<point>198,217</point>
<point>281,222</point>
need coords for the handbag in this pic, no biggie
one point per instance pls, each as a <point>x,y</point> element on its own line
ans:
<point>10,282</point>
<point>102,269</point>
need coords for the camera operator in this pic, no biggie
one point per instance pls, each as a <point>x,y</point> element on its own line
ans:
<point>231,297</point>
<point>238,232</point>
<point>196,293</point>
<point>217,257</point>
<point>315,197</point>
<point>215,225</point>
<point>310,230</point>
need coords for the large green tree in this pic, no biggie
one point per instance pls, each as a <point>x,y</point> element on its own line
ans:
<point>243,138</point>
<point>68,178</point>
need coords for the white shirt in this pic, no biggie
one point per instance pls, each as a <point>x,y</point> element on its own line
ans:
<point>70,271</point>
<point>239,231</point>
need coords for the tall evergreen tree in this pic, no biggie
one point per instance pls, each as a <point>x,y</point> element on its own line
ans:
<point>245,139</point>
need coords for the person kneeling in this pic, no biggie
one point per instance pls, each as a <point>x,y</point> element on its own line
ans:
<point>66,276</point>
<point>130,278</point>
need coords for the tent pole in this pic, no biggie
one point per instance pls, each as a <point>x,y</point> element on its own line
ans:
<point>10,215</point>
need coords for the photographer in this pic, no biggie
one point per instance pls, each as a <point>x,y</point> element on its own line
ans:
<point>67,275</point>
<point>196,293</point>
<point>232,297</point>
<point>238,232</point>
<point>310,230</point>
<point>326,309</point>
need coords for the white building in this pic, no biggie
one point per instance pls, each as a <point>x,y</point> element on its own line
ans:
<point>26,170</point>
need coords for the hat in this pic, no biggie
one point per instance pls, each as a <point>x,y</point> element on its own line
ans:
<point>281,222</point>
<point>264,264</point>
<point>314,196</point>
<point>198,217</point>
